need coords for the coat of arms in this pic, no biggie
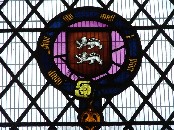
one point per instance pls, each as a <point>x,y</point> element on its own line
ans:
<point>89,52</point>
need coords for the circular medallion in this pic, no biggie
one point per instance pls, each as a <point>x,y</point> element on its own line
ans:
<point>89,52</point>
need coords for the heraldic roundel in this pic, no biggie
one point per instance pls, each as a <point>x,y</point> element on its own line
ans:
<point>89,52</point>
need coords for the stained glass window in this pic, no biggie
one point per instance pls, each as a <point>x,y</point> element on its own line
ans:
<point>28,100</point>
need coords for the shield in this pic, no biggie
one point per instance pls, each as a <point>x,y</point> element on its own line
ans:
<point>89,52</point>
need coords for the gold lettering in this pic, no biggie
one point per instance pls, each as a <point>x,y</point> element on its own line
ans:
<point>68,17</point>
<point>107,17</point>
<point>58,79</point>
<point>103,16</point>
<point>132,64</point>
<point>45,44</point>
<point>130,36</point>
<point>53,75</point>
<point>50,72</point>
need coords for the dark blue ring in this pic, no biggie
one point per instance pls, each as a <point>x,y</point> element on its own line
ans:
<point>109,85</point>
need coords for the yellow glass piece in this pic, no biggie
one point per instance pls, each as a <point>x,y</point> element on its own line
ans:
<point>83,89</point>
<point>45,44</point>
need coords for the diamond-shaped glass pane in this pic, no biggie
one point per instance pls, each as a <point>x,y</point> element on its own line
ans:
<point>127,102</point>
<point>146,114</point>
<point>162,100</point>
<point>128,12</point>
<point>170,75</point>
<point>33,116</point>
<point>52,103</point>
<point>32,78</point>
<point>2,118</point>
<point>145,36</point>
<point>147,77</point>
<point>34,2</point>
<point>34,22</point>
<point>15,55</point>
<point>147,127</point>
<point>14,102</point>
<point>82,3</point>
<point>1,2</point>
<point>170,32</point>
<point>105,1</point>
<point>49,10</point>
<point>161,52</point>
<point>4,36</point>
<point>142,20</point>
<point>3,24</point>
<point>31,38</point>
<point>171,22</point>
<point>141,1</point>
<point>16,11</point>
<point>70,116</point>
<point>110,115</point>
<point>5,78</point>
<point>159,10</point>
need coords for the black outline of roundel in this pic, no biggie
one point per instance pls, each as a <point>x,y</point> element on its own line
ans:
<point>108,85</point>
<point>172,2</point>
